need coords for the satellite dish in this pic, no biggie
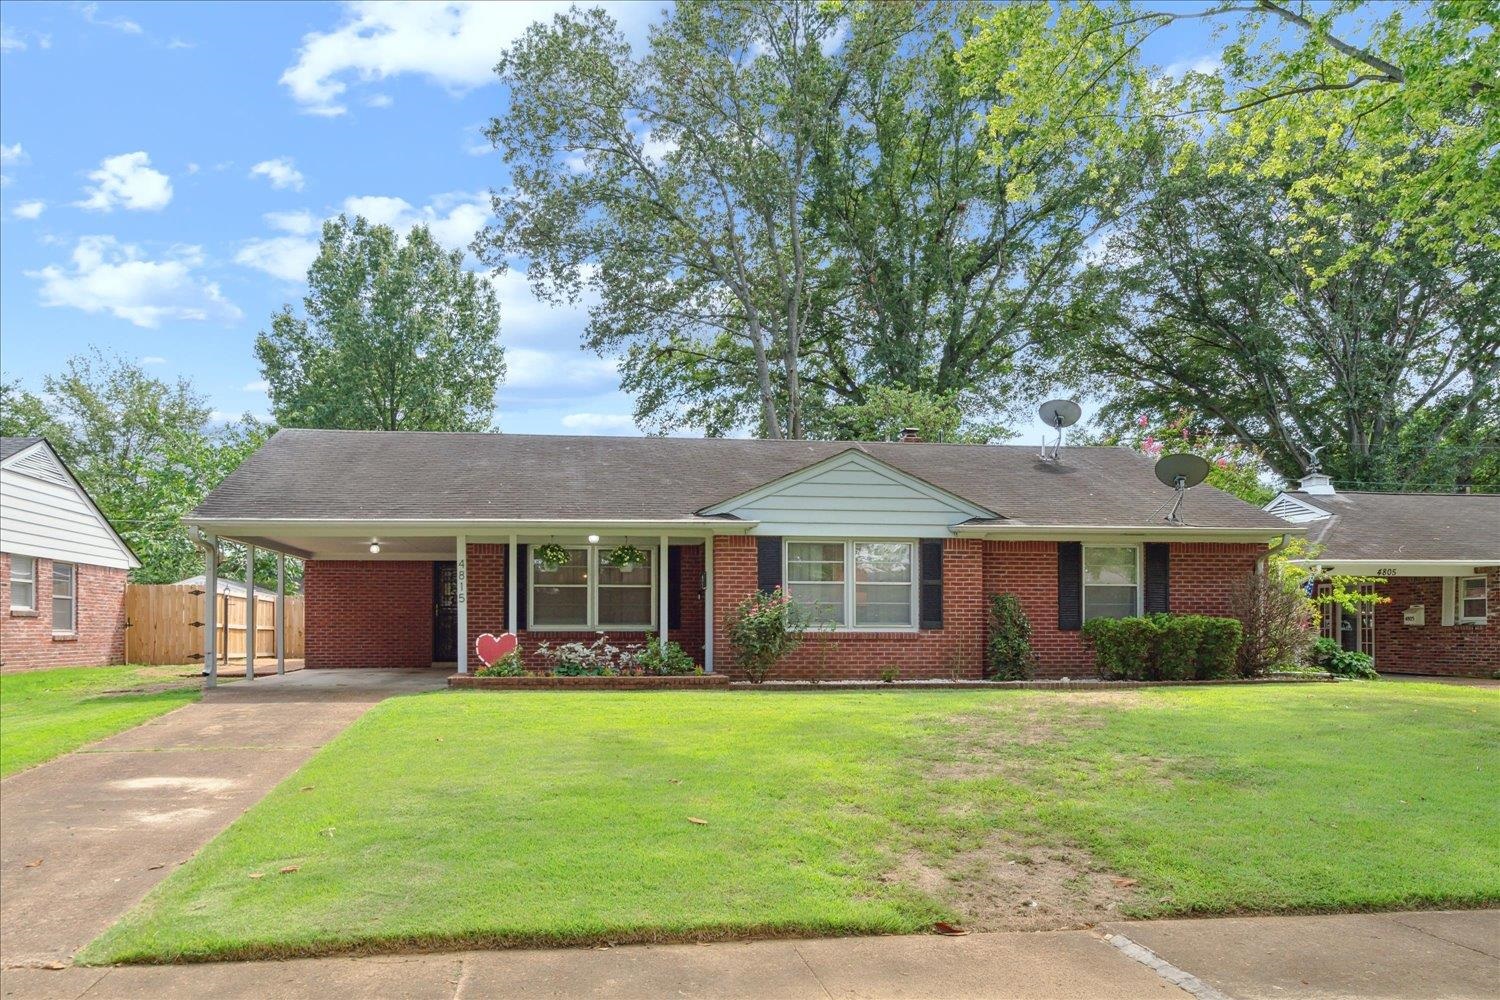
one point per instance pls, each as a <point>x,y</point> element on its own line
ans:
<point>1182,473</point>
<point>1057,414</point>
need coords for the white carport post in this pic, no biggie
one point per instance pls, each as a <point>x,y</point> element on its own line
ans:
<point>281,612</point>
<point>664,579</point>
<point>250,603</point>
<point>708,605</point>
<point>511,583</point>
<point>461,557</point>
<point>211,610</point>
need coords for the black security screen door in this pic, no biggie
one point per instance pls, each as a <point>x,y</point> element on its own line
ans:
<point>444,612</point>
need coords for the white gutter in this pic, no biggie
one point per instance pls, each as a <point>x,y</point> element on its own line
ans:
<point>430,526</point>
<point>1063,532</point>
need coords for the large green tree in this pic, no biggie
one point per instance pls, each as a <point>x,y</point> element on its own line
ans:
<point>147,451</point>
<point>395,334</point>
<point>1211,299</point>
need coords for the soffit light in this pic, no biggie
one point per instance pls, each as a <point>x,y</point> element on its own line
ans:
<point>374,548</point>
<point>593,539</point>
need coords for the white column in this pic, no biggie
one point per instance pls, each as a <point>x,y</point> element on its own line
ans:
<point>664,581</point>
<point>250,603</point>
<point>708,605</point>
<point>512,582</point>
<point>463,603</point>
<point>281,612</point>
<point>211,611</point>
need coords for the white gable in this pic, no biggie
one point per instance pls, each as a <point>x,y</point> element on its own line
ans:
<point>45,513</point>
<point>1290,508</point>
<point>851,495</point>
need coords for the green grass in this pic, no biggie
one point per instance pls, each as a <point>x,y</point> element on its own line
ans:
<point>481,819</point>
<point>47,713</point>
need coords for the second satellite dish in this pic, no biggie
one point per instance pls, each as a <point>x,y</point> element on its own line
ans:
<point>1057,414</point>
<point>1182,473</point>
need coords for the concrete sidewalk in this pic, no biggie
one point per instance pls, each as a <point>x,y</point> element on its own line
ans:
<point>85,836</point>
<point>1363,955</point>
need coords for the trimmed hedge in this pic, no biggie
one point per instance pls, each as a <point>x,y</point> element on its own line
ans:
<point>1164,647</point>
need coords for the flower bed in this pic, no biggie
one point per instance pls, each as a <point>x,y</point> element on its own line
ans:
<point>616,682</point>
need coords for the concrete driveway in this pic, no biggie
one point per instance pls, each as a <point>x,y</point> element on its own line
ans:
<point>86,836</point>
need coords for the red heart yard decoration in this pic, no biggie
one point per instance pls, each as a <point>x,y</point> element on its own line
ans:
<point>494,647</point>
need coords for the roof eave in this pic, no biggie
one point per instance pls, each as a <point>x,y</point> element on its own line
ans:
<point>1183,533</point>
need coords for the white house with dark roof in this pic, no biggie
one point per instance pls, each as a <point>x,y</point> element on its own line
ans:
<point>62,565</point>
<point>418,543</point>
<point>1437,556</point>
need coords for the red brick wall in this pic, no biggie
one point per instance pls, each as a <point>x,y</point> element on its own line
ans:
<point>1434,648</point>
<point>368,613</point>
<point>26,639</point>
<point>973,571</point>
<point>487,607</point>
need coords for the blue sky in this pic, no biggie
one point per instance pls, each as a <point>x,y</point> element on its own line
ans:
<point>166,167</point>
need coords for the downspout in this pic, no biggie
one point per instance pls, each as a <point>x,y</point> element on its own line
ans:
<point>1265,557</point>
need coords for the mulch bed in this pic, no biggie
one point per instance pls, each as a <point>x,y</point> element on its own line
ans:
<point>721,682</point>
<point>540,683</point>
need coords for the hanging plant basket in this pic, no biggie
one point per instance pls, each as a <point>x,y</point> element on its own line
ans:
<point>551,556</point>
<point>626,557</point>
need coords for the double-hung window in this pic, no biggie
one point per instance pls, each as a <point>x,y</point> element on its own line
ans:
<point>23,583</point>
<point>854,584</point>
<point>1111,581</point>
<point>586,592</point>
<point>64,603</point>
<point>1473,600</point>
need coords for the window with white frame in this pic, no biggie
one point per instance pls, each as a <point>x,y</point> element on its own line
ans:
<point>64,603</point>
<point>1473,600</point>
<point>22,583</point>
<point>587,592</point>
<point>1111,581</point>
<point>883,594</point>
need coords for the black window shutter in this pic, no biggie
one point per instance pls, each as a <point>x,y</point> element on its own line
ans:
<point>1070,586</point>
<point>1158,577</point>
<point>768,563</point>
<point>523,570</point>
<point>674,586</point>
<point>930,593</point>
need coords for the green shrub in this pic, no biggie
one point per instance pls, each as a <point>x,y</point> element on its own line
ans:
<point>670,662</point>
<point>1009,653</point>
<point>1330,656</point>
<point>1322,651</point>
<point>889,674</point>
<point>508,665</point>
<point>763,629</point>
<point>1164,647</point>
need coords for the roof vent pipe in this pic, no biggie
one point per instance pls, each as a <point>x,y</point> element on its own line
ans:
<point>910,435</point>
<point>1317,484</point>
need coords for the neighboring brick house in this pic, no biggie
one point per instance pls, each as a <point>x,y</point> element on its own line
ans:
<point>62,566</point>
<point>418,543</point>
<point>1437,559</point>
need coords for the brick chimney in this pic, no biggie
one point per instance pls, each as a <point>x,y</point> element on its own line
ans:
<point>910,435</point>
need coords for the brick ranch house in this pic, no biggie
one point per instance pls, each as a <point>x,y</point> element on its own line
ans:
<point>62,565</point>
<point>417,543</point>
<point>1437,557</point>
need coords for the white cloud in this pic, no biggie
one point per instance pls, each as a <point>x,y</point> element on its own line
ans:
<point>284,257</point>
<point>609,423</point>
<point>128,181</point>
<point>12,155</point>
<point>12,40</point>
<point>379,101</point>
<point>192,168</point>
<point>453,44</point>
<point>1208,65</point>
<point>299,223</point>
<point>528,368</point>
<point>454,219</point>
<point>109,276</point>
<point>90,12</point>
<point>153,359</point>
<point>259,385</point>
<point>29,209</point>
<point>281,172</point>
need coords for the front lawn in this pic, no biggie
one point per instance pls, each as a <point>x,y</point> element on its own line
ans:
<point>46,713</point>
<point>476,819</point>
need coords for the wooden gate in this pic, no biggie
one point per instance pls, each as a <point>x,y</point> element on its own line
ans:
<point>164,624</point>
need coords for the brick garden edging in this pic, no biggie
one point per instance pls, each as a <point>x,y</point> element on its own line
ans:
<point>538,683</point>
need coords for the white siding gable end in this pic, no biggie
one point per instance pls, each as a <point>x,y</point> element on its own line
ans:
<point>851,495</point>
<point>45,512</point>
<point>1295,510</point>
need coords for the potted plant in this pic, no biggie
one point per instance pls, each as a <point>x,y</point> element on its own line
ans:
<point>626,557</point>
<point>551,556</point>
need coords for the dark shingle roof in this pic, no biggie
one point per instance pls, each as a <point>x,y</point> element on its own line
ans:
<point>1407,526</point>
<point>10,445</point>
<point>394,475</point>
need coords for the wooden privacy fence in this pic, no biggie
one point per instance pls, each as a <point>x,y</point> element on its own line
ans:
<point>164,624</point>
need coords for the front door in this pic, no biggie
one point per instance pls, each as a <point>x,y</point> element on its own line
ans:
<point>444,612</point>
